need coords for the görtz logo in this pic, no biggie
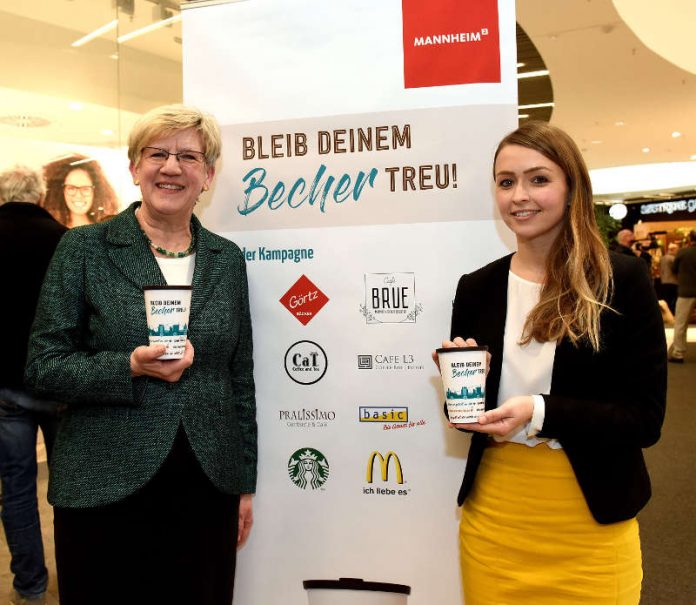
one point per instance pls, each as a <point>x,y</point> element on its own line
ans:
<point>306,362</point>
<point>304,300</point>
<point>390,298</point>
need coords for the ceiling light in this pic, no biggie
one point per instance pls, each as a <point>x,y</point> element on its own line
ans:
<point>692,157</point>
<point>96,33</point>
<point>533,74</point>
<point>107,133</point>
<point>522,116</point>
<point>147,29</point>
<point>596,142</point>
<point>676,134</point>
<point>619,123</point>
<point>521,65</point>
<point>536,105</point>
<point>618,211</point>
<point>646,150</point>
<point>643,177</point>
<point>75,106</point>
<point>82,161</point>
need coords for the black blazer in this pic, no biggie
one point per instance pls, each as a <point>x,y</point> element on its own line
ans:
<point>28,237</point>
<point>603,407</point>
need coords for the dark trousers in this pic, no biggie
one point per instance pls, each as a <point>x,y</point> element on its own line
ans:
<point>173,542</point>
<point>20,510</point>
<point>668,293</point>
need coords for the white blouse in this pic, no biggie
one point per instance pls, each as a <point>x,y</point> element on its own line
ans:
<point>177,271</point>
<point>526,368</point>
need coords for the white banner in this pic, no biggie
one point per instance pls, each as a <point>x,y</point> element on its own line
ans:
<point>356,176</point>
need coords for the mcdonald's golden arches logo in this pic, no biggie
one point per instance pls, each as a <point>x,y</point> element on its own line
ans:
<point>384,462</point>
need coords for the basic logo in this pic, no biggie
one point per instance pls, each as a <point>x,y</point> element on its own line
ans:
<point>390,298</point>
<point>306,362</point>
<point>308,468</point>
<point>304,300</point>
<point>383,414</point>
<point>384,462</point>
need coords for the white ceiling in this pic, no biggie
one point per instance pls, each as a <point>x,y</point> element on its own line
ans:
<point>602,75</point>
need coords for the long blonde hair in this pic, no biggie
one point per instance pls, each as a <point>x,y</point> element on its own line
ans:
<point>578,273</point>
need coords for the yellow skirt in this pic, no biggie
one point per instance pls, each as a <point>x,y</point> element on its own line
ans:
<point>527,536</point>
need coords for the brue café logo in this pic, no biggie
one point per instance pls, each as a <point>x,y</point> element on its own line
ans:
<point>448,42</point>
<point>304,300</point>
<point>385,463</point>
<point>390,298</point>
<point>306,362</point>
<point>308,468</point>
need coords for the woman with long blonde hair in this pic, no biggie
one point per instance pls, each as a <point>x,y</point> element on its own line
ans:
<point>576,388</point>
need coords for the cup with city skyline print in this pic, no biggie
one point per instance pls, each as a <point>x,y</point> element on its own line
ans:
<point>167,309</point>
<point>463,371</point>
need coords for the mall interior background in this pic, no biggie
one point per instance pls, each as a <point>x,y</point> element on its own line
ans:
<point>621,79</point>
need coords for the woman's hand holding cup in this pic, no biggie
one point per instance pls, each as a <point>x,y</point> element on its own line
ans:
<point>144,362</point>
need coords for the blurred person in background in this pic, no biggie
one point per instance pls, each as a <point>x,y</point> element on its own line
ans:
<point>28,238</point>
<point>668,279</point>
<point>685,269</point>
<point>77,192</point>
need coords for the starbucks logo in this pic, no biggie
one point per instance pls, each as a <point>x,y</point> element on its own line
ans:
<point>308,468</point>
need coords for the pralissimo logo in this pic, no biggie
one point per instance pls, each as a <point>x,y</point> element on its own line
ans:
<point>308,468</point>
<point>304,300</point>
<point>306,362</point>
<point>390,298</point>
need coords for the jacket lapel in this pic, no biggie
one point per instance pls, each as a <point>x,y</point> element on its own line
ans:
<point>129,251</point>
<point>206,274</point>
<point>495,323</point>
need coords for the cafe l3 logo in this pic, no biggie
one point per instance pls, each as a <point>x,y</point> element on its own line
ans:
<point>308,468</point>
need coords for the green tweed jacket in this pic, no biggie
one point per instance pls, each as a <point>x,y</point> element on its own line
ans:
<point>118,430</point>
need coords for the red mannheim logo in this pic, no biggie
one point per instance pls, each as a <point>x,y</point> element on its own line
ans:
<point>304,300</point>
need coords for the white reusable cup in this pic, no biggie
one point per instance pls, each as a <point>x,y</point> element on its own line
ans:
<point>167,309</point>
<point>463,371</point>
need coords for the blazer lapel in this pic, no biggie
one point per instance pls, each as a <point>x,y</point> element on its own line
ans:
<point>495,325</point>
<point>129,251</point>
<point>206,274</point>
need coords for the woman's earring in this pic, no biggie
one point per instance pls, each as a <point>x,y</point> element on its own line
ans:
<point>136,182</point>
<point>205,187</point>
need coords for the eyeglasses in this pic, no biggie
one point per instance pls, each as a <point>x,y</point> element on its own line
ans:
<point>158,156</point>
<point>84,190</point>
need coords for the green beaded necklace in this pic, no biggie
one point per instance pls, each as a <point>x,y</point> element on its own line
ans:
<point>170,254</point>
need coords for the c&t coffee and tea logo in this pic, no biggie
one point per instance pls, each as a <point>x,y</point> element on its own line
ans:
<point>308,468</point>
<point>390,471</point>
<point>306,362</point>
<point>390,298</point>
<point>304,300</point>
<point>389,362</point>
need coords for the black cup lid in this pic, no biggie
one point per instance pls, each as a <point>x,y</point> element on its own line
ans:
<point>457,349</point>
<point>357,584</point>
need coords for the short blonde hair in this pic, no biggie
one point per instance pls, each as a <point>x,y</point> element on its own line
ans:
<point>172,118</point>
<point>21,184</point>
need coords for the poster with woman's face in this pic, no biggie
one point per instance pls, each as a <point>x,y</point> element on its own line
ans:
<point>84,185</point>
